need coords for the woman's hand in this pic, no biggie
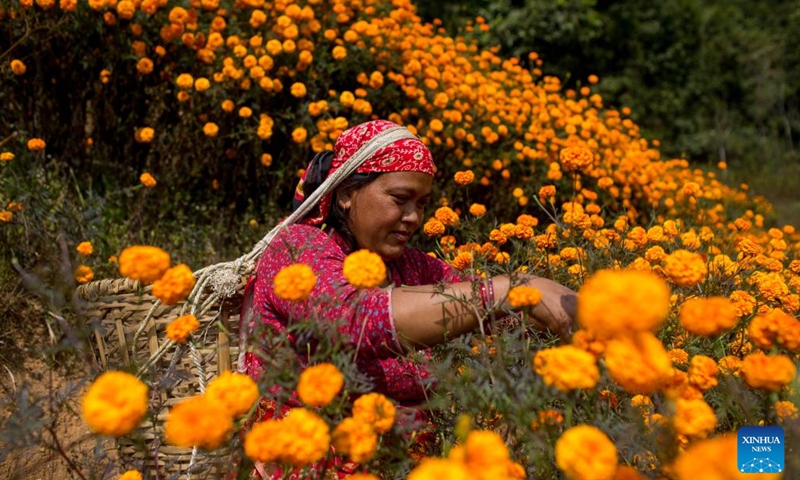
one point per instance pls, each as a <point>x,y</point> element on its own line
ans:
<point>556,310</point>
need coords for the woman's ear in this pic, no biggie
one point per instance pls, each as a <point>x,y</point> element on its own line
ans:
<point>344,200</point>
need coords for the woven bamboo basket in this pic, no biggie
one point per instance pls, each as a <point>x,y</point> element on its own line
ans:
<point>128,336</point>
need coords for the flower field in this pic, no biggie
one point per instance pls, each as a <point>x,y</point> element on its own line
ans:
<point>157,112</point>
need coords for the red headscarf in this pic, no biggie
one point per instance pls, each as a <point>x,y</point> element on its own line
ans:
<point>406,155</point>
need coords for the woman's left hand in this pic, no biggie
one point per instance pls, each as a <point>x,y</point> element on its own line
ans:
<point>556,310</point>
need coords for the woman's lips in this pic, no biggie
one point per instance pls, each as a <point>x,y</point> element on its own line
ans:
<point>402,236</point>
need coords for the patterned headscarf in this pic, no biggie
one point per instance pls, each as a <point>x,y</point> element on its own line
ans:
<point>406,155</point>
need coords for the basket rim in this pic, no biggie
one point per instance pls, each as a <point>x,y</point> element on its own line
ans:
<point>110,286</point>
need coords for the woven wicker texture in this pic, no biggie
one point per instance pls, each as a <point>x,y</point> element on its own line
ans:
<point>116,310</point>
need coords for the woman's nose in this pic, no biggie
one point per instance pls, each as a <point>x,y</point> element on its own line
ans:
<point>412,215</point>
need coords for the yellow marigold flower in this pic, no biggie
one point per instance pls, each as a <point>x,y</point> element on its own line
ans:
<point>786,410</point>
<point>364,269</point>
<point>339,52</point>
<point>524,296</point>
<point>584,452</point>
<point>202,84</point>
<point>639,364</point>
<point>299,135</point>
<point>309,437</point>
<point>298,90</point>
<point>266,441</point>
<point>447,216</point>
<point>131,475</point>
<point>210,129</point>
<point>433,227</point>
<point>464,177</point>
<point>115,403</point>
<point>708,316</point>
<point>245,112</point>
<point>175,285</point>
<point>768,372</point>
<point>17,67</point>
<point>684,268</point>
<point>179,329</point>
<point>36,144</point>
<point>144,263</point>
<point>319,384</point>
<point>147,180</point>
<point>237,392</point>
<point>439,468</point>
<point>376,410</point>
<point>485,454</point>
<point>362,476</point>
<point>477,210</point>
<point>694,418</point>
<point>84,248</point>
<point>576,158</point>
<point>619,302</point>
<point>184,81</point>
<point>144,135</point>
<point>295,282</point>
<point>6,157</point>
<point>356,439</point>
<point>199,422</point>
<point>83,274</point>
<point>730,365</point>
<point>566,368</point>
<point>712,459</point>
<point>436,125</point>
<point>586,340</point>
<point>703,372</point>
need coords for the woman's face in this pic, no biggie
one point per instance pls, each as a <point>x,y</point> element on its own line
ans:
<point>385,213</point>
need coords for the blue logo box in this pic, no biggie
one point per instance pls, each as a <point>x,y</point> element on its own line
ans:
<point>760,450</point>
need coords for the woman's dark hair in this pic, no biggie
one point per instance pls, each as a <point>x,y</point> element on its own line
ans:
<point>318,171</point>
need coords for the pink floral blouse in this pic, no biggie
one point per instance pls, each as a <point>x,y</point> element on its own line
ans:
<point>367,314</point>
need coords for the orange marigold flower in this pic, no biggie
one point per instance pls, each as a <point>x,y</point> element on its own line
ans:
<point>6,157</point>
<point>464,177</point>
<point>319,384</point>
<point>131,475</point>
<point>729,365</point>
<point>210,129</point>
<point>237,392</point>
<point>462,260</point>
<point>743,301</point>
<point>703,372</point>
<point>175,285</point>
<point>694,418</point>
<point>115,403</point>
<point>678,356</point>
<point>298,90</point>
<point>376,410</point>
<point>576,158</point>
<point>584,452</point>
<point>586,340</point>
<point>144,263</point>
<point>18,67</point>
<point>6,216</point>
<point>437,468</point>
<point>433,227</point>
<point>524,296</point>
<point>364,269</point>
<point>620,302</point>
<point>199,422</point>
<point>685,269</point>
<point>547,192</point>
<point>179,329</point>
<point>712,458</point>
<point>147,180</point>
<point>639,364</point>
<point>786,410</point>
<point>305,438</point>
<point>36,144</point>
<point>356,439</point>
<point>85,248</point>
<point>477,210</point>
<point>484,451</point>
<point>83,274</point>
<point>566,368</point>
<point>185,81</point>
<point>447,216</point>
<point>295,282</point>
<point>708,316</point>
<point>768,372</point>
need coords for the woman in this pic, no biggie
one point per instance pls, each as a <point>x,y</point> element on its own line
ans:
<point>379,207</point>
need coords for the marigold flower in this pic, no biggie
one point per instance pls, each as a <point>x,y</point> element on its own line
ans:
<point>83,274</point>
<point>566,368</point>
<point>356,439</point>
<point>620,302</point>
<point>477,210</point>
<point>131,475</point>
<point>708,316</point>
<point>6,157</point>
<point>439,468</point>
<point>84,248</point>
<point>298,90</point>
<point>36,144</point>
<point>729,365</point>
<point>237,392</point>
<point>376,410</point>
<point>115,403</point>
<point>786,410</point>
<point>18,67</point>
<point>175,285</point>
<point>210,129</point>
<point>639,364</point>
<point>433,227</point>
<point>584,452</point>
<point>576,158</point>
<point>143,66</point>
<point>464,177</point>
<point>184,81</point>
<point>684,268</point>
<point>712,459</point>
<point>703,372</point>
<point>179,329</point>
<point>768,372</point>
<point>6,216</point>
<point>147,180</point>
<point>144,135</point>
<point>304,438</point>
<point>524,296</point>
<point>199,422</point>
<point>694,418</point>
<point>144,263</point>
<point>295,282</point>
<point>462,260</point>
<point>319,384</point>
<point>485,454</point>
<point>339,52</point>
<point>364,269</point>
<point>447,216</point>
